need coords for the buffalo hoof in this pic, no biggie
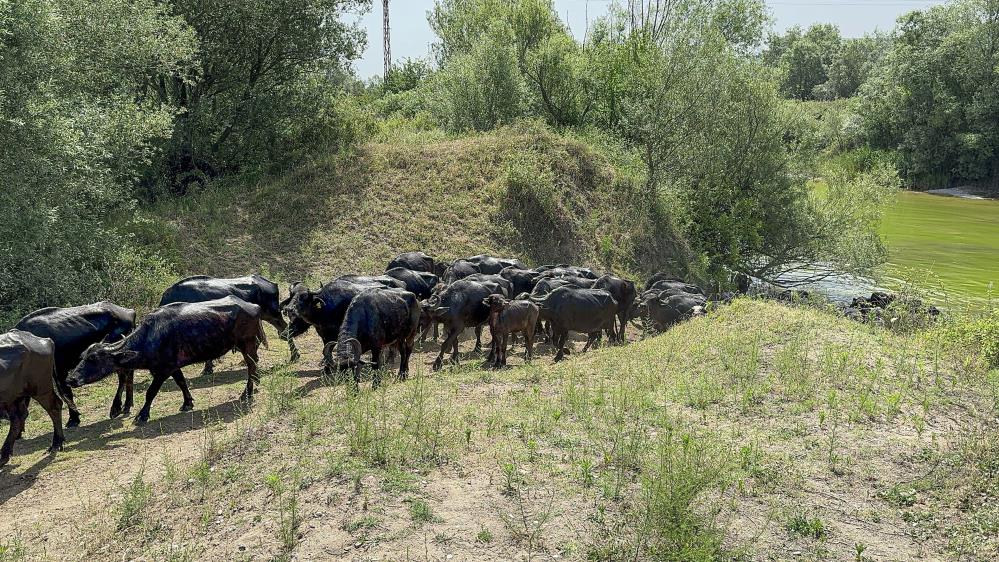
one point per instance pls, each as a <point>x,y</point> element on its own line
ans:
<point>246,398</point>
<point>142,418</point>
<point>295,356</point>
<point>115,412</point>
<point>54,449</point>
<point>437,365</point>
<point>73,422</point>
<point>187,407</point>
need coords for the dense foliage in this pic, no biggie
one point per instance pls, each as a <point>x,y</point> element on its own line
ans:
<point>936,97</point>
<point>102,102</point>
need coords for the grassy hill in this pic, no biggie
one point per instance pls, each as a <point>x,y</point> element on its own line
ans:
<point>522,191</point>
<point>761,432</point>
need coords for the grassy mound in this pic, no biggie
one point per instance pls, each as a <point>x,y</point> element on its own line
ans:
<point>750,434</point>
<point>524,192</point>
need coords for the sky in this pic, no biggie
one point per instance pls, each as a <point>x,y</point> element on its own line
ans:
<point>411,34</point>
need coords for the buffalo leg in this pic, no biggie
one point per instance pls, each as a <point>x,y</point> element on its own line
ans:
<point>376,360</point>
<point>151,392</point>
<point>18,414</point>
<point>591,339</point>
<point>621,335</point>
<point>13,434</point>
<point>405,351</point>
<point>250,358</point>
<point>293,350</point>
<point>53,407</point>
<point>450,340</point>
<point>478,339</point>
<point>529,344</point>
<point>125,380</point>
<point>208,370</point>
<point>178,377</point>
<point>67,393</point>
<point>558,339</point>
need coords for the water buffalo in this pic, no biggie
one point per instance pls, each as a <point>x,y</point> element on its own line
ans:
<point>624,293</point>
<point>491,265</point>
<point>522,280</point>
<point>506,287</point>
<point>660,276</point>
<point>508,317</point>
<point>414,261</point>
<point>253,289</point>
<point>578,310</point>
<point>676,286</point>
<point>325,309</point>
<point>175,336</point>
<point>376,318</point>
<point>72,331</point>
<point>27,364</point>
<point>459,306</point>
<point>419,283</point>
<point>459,270</point>
<point>663,309</point>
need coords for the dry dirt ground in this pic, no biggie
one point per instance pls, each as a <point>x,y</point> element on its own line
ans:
<point>528,463</point>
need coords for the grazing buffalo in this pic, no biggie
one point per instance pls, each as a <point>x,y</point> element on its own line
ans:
<point>175,336</point>
<point>376,319</point>
<point>419,283</point>
<point>509,317</point>
<point>624,293</point>
<point>27,364</point>
<point>578,310</point>
<point>325,309</point>
<point>414,261</point>
<point>506,287</point>
<point>663,309</point>
<point>253,289</point>
<point>459,270</point>
<point>522,280</point>
<point>676,286</point>
<point>461,305</point>
<point>72,331</point>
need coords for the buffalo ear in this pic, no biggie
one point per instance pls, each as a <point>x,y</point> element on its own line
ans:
<point>126,355</point>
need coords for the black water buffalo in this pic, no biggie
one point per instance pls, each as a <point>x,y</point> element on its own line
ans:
<point>506,287</point>
<point>742,282</point>
<point>27,364</point>
<point>414,261</point>
<point>253,289</point>
<point>522,280</point>
<point>325,309</point>
<point>675,286</point>
<point>459,270</point>
<point>586,311</point>
<point>460,306</point>
<point>664,309</point>
<point>175,336</point>
<point>420,283</point>
<point>624,293</point>
<point>376,319</point>
<point>72,331</point>
<point>491,265</point>
<point>509,317</point>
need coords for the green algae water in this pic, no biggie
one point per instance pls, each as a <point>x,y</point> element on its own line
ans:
<point>949,243</point>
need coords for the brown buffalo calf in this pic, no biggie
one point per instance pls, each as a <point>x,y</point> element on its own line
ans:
<point>508,317</point>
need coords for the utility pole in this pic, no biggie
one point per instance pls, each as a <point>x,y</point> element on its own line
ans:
<point>386,41</point>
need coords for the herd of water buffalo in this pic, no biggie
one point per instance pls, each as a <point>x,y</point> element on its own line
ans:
<point>200,319</point>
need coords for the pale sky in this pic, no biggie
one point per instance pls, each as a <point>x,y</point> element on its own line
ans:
<point>411,34</point>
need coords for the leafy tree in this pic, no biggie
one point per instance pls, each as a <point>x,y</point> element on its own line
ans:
<point>482,88</point>
<point>935,98</point>
<point>76,129</point>
<point>406,76</point>
<point>263,66</point>
<point>851,66</point>
<point>805,57</point>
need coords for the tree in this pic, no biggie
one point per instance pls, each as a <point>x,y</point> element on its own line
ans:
<point>935,98</point>
<point>263,65</point>
<point>804,56</point>
<point>77,130</point>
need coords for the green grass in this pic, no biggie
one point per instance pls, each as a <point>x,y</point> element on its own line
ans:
<point>955,239</point>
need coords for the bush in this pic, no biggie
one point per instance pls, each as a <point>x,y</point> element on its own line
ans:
<point>482,88</point>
